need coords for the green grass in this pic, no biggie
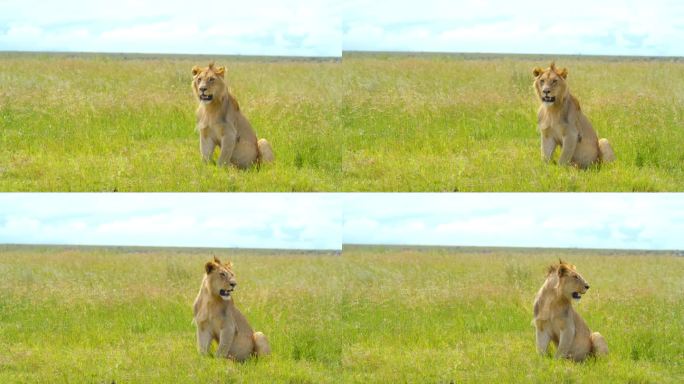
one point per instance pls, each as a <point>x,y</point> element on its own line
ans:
<point>372,123</point>
<point>105,315</point>
<point>468,123</point>
<point>373,315</point>
<point>126,123</point>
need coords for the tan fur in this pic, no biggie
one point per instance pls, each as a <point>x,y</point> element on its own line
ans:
<point>562,123</point>
<point>556,321</point>
<point>220,122</point>
<point>217,318</point>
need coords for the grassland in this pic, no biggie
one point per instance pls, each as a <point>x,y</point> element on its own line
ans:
<point>468,123</point>
<point>124,316</point>
<point>126,123</point>
<point>373,315</point>
<point>375,122</point>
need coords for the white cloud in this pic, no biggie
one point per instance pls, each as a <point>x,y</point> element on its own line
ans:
<point>623,221</point>
<point>299,221</point>
<point>613,27</point>
<point>257,27</point>
<point>315,221</point>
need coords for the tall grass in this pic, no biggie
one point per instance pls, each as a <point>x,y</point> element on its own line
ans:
<point>372,123</point>
<point>468,123</point>
<point>373,315</point>
<point>126,123</point>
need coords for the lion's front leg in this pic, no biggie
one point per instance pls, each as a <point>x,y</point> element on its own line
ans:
<point>569,144</point>
<point>204,339</point>
<point>548,146</point>
<point>567,336</point>
<point>207,146</point>
<point>543,339</point>
<point>226,341</point>
<point>228,142</point>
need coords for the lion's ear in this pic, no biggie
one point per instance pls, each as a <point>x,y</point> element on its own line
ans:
<point>537,71</point>
<point>229,264</point>
<point>220,71</point>
<point>563,73</point>
<point>563,270</point>
<point>209,266</point>
<point>216,260</point>
<point>195,70</point>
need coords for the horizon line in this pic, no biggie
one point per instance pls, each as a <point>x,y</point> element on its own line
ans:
<point>345,51</point>
<point>678,252</point>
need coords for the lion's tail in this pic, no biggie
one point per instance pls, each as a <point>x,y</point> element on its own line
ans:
<point>606,153</point>
<point>261,346</point>
<point>599,345</point>
<point>265,151</point>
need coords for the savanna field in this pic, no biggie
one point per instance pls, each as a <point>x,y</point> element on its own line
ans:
<point>371,315</point>
<point>468,123</point>
<point>127,123</point>
<point>370,122</point>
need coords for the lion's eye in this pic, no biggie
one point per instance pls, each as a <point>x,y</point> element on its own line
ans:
<point>211,79</point>
<point>554,81</point>
<point>223,274</point>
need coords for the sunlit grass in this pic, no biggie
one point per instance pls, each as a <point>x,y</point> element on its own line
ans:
<point>371,123</point>
<point>468,123</point>
<point>372,315</point>
<point>126,123</point>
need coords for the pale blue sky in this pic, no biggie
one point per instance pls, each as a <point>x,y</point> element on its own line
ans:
<point>574,220</point>
<point>243,220</point>
<point>588,27</point>
<point>325,27</point>
<point>254,27</point>
<point>325,221</point>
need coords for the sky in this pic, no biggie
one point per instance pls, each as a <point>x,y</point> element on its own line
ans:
<point>254,27</point>
<point>608,27</point>
<point>326,220</point>
<point>557,220</point>
<point>326,27</point>
<point>222,220</point>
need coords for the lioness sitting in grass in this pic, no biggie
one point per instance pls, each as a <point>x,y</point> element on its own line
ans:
<point>217,318</point>
<point>557,321</point>
<point>561,122</point>
<point>220,122</point>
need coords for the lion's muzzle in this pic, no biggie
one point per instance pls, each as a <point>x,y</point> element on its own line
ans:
<point>225,293</point>
<point>578,295</point>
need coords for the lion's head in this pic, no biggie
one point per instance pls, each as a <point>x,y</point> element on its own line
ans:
<point>550,84</point>
<point>569,283</point>
<point>220,278</point>
<point>208,83</point>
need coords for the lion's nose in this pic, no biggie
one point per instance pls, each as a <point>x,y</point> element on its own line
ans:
<point>202,89</point>
<point>546,91</point>
<point>586,286</point>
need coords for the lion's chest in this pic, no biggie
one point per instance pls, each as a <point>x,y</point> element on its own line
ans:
<point>216,318</point>
<point>550,127</point>
<point>213,131</point>
<point>211,125</point>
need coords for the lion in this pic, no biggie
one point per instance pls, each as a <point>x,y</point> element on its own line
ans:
<point>220,122</point>
<point>217,318</point>
<point>560,121</point>
<point>556,320</point>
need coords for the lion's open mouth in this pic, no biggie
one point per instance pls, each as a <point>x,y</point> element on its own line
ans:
<point>549,99</point>
<point>204,97</point>
<point>576,295</point>
<point>225,293</point>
